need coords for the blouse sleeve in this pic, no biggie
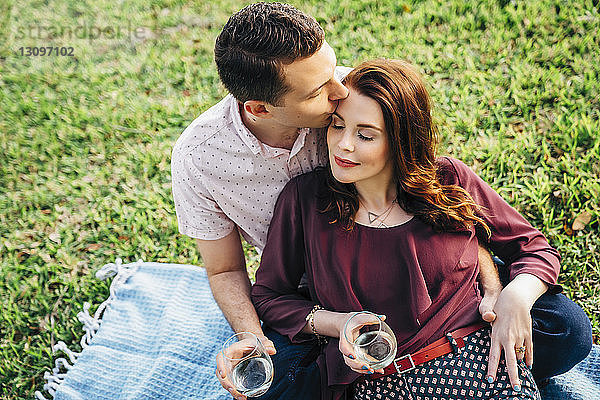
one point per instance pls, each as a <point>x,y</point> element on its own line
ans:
<point>275,294</point>
<point>523,248</point>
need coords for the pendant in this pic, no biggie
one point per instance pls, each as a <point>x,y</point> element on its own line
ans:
<point>372,217</point>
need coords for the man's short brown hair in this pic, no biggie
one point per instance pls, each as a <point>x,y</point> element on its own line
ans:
<point>255,44</point>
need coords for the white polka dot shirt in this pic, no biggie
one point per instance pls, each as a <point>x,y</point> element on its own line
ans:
<point>223,176</point>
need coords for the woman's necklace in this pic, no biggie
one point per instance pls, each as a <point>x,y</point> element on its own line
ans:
<point>381,217</point>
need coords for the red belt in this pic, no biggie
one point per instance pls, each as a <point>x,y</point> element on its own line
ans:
<point>448,344</point>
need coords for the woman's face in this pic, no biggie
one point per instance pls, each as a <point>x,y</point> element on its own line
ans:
<point>357,141</point>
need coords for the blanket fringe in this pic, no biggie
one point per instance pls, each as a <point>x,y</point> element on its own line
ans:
<point>121,273</point>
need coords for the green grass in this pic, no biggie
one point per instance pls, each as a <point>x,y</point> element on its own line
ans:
<point>86,140</point>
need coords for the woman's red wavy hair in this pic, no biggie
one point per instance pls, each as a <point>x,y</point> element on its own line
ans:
<point>399,90</point>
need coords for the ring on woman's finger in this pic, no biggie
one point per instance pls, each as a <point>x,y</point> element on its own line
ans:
<point>520,349</point>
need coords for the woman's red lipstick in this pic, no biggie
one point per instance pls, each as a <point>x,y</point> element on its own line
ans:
<point>344,163</point>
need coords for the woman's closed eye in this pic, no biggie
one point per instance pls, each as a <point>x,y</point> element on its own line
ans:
<point>364,137</point>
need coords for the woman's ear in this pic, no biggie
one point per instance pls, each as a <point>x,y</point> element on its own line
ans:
<point>257,109</point>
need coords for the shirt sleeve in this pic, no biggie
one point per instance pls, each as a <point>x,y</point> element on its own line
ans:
<point>275,293</point>
<point>523,248</point>
<point>198,214</point>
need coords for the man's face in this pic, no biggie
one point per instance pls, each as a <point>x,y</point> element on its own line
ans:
<point>314,91</point>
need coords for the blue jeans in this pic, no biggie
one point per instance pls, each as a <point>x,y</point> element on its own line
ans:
<point>562,336</point>
<point>562,332</point>
<point>295,371</point>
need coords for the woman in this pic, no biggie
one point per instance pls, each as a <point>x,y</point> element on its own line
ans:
<point>389,228</point>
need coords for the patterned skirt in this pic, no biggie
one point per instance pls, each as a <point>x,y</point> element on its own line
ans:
<point>451,377</point>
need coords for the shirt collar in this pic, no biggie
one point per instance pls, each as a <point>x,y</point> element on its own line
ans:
<point>255,145</point>
<point>242,131</point>
<point>272,152</point>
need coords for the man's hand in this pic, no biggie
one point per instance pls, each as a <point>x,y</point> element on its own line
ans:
<point>486,307</point>
<point>512,328</point>
<point>222,372</point>
<point>490,283</point>
<point>226,269</point>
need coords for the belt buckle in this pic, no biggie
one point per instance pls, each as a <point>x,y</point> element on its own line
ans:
<point>412,364</point>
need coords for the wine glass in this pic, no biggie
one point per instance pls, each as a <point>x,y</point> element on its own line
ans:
<point>372,339</point>
<point>248,365</point>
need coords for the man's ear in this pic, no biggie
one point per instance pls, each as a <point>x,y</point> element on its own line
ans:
<point>257,109</point>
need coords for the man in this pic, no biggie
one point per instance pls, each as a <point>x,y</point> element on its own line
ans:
<point>230,164</point>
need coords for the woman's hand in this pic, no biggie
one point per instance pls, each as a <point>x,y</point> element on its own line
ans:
<point>512,328</point>
<point>347,349</point>
<point>221,370</point>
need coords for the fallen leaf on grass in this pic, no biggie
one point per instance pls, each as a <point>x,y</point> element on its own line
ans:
<point>93,247</point>
<point>25,178</point>
<point>582,220</point>
<point>24,235</point>
<point>517,127</point>
<point>55,237</point>
<point>23,255</point>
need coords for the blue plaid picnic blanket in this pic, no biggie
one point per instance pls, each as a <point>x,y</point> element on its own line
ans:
<point>157,334</point>
<point>155,337</point>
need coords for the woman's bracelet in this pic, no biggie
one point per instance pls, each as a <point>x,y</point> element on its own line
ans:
<point>310,318</point>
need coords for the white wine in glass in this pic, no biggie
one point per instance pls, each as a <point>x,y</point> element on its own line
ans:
<point>372,339</point>
<point>252,377</point>
<point>248,365</point>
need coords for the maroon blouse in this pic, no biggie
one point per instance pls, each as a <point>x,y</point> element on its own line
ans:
<point>423,281</point>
